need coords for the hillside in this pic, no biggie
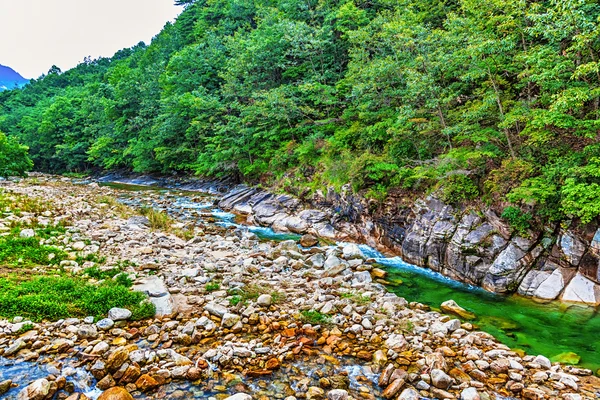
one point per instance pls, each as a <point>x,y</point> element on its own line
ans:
<point>495,102</point>
<point>9,78</point>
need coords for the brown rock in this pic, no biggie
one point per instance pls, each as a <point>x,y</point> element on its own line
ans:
<point>78,396</point>
<point>146,382</point>
<point>115,393</point>
<point>384,378</point>
<point>117,358</point>
<point>131,374</point>
<point>273,363</point>
<point>364,355</point>
<point>106,382</point>
<point>393,388</point>
<point>193,374</point>
<point>308,240</point>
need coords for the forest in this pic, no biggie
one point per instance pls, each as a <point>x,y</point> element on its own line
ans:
<point>494,101</point>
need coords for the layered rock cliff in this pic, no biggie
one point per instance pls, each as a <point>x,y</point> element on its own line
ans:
<point>470,245</point>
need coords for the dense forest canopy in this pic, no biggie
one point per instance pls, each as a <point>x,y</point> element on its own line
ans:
<point>495,100</point>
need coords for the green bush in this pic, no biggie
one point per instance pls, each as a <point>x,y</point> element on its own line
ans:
<point>518,220</point>
<point>14,160</point>
<point>457,188</point>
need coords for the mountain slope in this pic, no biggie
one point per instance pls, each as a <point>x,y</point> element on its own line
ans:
<point>9,78</point>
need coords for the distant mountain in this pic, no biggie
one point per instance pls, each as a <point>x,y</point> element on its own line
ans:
<point>9,78</point>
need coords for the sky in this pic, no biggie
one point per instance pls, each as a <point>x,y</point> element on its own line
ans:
<point>36,34</point>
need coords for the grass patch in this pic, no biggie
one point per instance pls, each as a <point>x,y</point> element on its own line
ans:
<point>25,328</point>
<point>93,257</point>
<point>357,298</point>
<point>314,317</point>
<point>115,205</point>
<point>17,204</point>
<point>28,252</point>
<point>212,286</point>
<point>235,300</point>
<point>101,274</point>
<point>54,298</point>
<point>158,219</point>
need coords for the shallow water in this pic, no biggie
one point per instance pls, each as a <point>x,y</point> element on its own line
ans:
<point>23,373</point>
<point>548,329</point>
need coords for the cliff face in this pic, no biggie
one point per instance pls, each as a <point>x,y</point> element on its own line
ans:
<point>472,246</point>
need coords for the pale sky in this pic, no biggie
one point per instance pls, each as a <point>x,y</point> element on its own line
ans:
<point>36,34</point>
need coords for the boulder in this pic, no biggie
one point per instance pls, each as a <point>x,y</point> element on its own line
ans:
<point>440,379</point>
<point>264,300</point>
<point>308,240</point>
<point>116,393</point>
<point>239,396</point>
<point>38,390</point>
<point>337,394</point>
<point>5,386</point>
<point>216,309</point>
<point>119,314</point>
<point>409,394</point>
<point>451,307</point>
<point>582,290</point>
<point>27,233</point>
<point>352,251</point>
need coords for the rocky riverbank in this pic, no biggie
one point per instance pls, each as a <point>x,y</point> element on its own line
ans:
<point>468,245</point>
<point>241,318</point>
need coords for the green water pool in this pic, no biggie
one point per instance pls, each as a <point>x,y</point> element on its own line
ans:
<point>552,329</point>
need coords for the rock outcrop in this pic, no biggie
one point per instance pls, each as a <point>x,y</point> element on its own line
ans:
<point>472,246</point>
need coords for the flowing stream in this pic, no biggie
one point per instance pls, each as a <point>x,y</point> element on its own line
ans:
<point>560,331</point>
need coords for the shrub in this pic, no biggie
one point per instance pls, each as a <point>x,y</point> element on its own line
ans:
<point>518,220</point>
<point>458,188</point>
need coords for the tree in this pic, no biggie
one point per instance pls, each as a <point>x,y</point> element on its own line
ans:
<point>14,160</point>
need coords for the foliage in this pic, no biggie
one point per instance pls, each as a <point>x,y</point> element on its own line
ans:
<point>212,286</point>
<point>458,188</point>
<point>518,220</point>
<point>20,251</point>
<point>417,95</point>
<point>14,160</point>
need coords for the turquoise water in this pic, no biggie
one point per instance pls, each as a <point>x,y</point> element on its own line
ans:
<point>520,323</point>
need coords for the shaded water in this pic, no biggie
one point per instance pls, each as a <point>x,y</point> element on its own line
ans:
<point>549,329</point>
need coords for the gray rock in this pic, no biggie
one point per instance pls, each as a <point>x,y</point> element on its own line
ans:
<point>27,233</point>
<point>119,314</point>
<point>409,394</point>
<point>216,309</point>
<point>352,251</point>
<point>362,277</point>
<point>264,300</point>
<point>230,320</point>
<point>337,394</point>
<point>544,362</point>
<point>87,331</point>
<point>154,287</point>
<point>239,396</point>
<point>582,290</point>
<point>469,394</point>
<point>440,379</point>
<point>105,324</point>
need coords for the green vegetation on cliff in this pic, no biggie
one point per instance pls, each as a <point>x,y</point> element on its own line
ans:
<point>494,100</point>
